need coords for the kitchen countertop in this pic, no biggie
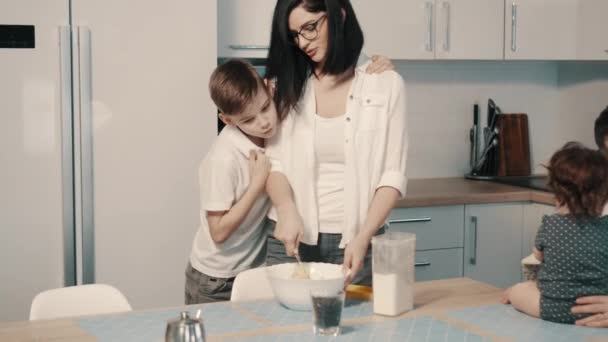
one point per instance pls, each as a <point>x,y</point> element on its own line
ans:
<point>456,191</point>
<point>457,309</point>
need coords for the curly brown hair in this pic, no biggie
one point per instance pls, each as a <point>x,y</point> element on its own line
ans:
<point>578,176</point>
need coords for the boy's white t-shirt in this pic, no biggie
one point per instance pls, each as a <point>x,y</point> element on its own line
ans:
<point>223,179</point>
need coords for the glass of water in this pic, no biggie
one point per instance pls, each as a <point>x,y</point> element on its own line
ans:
<point>327,311</point>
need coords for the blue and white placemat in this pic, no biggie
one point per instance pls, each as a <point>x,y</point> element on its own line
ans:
<point>504,321</point>
<point>422,329</point>
<point>219,318</point>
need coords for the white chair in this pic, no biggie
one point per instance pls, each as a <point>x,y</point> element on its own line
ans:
<point>251,285</point>
<point>77,301</point>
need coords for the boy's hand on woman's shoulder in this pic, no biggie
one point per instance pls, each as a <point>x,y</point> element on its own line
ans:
<point>259,169</point>
<point>379,65</point>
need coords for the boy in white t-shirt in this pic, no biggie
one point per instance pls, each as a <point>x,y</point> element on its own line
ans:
<point>232,177</point>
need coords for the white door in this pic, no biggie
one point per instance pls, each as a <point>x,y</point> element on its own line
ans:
<point>33,184</point>
<point>397,29</point>
<point>469,29</point>
<point>541,29</point>
<point>592,30</point>
<point>244,27</point>
<point>144,66</point>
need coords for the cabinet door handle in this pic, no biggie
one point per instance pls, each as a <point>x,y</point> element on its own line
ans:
<point>446,43</point>
<point>421,219</point>
<point>429,19</point>
<point>422,264</point>
<point>473,258</point>
<point>249,47</point>
<point>513,27</point>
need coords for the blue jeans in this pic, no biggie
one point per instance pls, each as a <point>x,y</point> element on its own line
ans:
<point>327,250</point>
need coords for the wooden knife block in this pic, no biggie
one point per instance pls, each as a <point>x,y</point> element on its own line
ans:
<point>513,150</point>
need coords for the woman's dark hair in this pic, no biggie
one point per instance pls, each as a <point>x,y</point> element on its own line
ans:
<point>578,176</point>
<point>289,67</point>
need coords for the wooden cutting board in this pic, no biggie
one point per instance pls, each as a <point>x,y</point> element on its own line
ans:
<point>513,150</point>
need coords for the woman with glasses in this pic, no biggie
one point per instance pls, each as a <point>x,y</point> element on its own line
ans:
<point>339,158</point>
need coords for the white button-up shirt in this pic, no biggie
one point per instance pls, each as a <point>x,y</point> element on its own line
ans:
<point>375,149</point>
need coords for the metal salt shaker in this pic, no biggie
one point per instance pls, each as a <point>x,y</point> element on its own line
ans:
<point>185,329</point>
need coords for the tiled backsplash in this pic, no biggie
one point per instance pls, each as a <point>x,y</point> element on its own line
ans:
<point>561,100</point>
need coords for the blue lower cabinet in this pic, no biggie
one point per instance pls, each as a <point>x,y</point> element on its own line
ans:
<point>439,264</point>
<point>493,243</point>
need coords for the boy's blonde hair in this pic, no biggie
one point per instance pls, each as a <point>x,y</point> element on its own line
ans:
<point>233,85</point>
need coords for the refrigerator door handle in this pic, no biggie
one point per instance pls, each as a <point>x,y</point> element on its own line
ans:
<point>67,170</point>
<point>84,165</point>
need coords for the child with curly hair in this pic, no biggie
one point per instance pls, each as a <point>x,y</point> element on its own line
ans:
<point>572,243</point>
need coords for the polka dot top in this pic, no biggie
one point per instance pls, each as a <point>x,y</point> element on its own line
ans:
<point>575,262</point>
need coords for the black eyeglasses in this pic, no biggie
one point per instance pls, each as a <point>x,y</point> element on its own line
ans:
<point>309,32</point>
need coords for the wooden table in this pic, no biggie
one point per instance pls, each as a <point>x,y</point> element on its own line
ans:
<point>433,299</point>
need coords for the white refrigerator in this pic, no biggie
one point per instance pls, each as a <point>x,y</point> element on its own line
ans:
<point>102,125</point>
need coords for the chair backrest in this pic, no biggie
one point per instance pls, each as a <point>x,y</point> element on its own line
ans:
<point>77,301</point>
<point>251,285</point>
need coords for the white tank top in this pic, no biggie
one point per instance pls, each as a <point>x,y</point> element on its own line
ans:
<point>329,152</point>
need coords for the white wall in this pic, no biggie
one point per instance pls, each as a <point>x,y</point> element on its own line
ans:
<point>561,100</point>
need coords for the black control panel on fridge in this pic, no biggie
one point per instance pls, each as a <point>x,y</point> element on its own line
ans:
<point>17,37</point>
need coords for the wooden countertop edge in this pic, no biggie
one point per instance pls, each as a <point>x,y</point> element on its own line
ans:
<point>479,192</point>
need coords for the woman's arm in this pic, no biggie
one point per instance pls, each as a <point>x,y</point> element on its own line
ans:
<point>289,227</point>
<point>383,202</point>
<point>392,184</point>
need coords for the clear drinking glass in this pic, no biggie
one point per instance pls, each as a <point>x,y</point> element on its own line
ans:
<point>327,311</point>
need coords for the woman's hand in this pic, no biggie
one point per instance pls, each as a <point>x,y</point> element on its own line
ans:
<point>289,229</point>
<point>597,305</point>
<point>379,64</point>
<point>354,255</point>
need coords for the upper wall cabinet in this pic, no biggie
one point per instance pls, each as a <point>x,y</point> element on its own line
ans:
<point>429,29</point>
<point>556,29</point>
<point>397,29</point>
<point>592,30</point>
<point>541,29</point>
<point>469,29</point>
<point>244,27</point>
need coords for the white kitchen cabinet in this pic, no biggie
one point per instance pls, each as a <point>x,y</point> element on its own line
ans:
<point>244,27</point>
<point>541,29</point>
<point>469,29</point>
<point>429,29</point>
<point>493,235</point>
<point>533,215</point>
<point>397,29</point>
<point>592,30</point>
